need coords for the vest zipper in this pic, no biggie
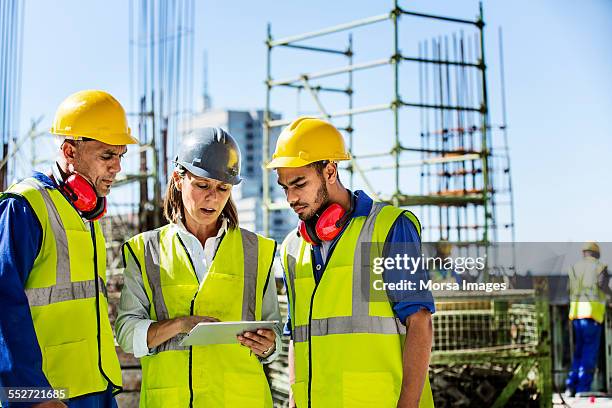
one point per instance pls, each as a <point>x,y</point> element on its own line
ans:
<point>191,311</point>
<point>329,255</point>
<point>116,389</point>
<point>310,344</point>
<point>190,314</point>
<point>191,359</point>
<point>331,249</point>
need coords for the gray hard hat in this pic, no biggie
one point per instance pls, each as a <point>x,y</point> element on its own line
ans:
<point>212,153</point>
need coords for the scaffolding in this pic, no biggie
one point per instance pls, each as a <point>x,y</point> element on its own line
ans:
<point>492,346</point>
<point>161,42</point>
<point>462,175</point>
<point>463,194</point>
<point>161,79</point>
<point>11,58</point>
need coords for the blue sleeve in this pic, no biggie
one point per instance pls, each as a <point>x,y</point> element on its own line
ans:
<point>404,239</point>
<point>20,241</point>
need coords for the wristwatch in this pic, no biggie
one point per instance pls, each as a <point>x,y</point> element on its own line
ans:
<point>267,352</point>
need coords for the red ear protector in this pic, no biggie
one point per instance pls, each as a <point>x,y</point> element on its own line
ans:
<point>81,194</point>
<point>328,224</point>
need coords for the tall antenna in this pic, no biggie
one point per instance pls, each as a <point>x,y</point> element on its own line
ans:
<point>11,58</point>
<point>161,42</point>
<point>206,102</point>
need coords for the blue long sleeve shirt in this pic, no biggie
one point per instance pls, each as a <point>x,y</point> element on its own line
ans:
<point>403,238</point>
<point>20,354</point>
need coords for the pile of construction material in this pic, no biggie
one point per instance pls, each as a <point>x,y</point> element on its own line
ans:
<point>467,386</point>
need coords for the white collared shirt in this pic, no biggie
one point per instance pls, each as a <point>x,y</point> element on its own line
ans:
<point>202,257</point>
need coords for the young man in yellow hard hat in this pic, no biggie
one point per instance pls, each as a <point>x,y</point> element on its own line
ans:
<point>352,345</point>
<point>54,327</point>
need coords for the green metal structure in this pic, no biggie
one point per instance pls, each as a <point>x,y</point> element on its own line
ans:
<point>462,179</point>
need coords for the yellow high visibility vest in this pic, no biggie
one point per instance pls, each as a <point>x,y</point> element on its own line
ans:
<point>348,345</point>
<point>226,375</point>
<point>587,301</point>
<point>66,290</point>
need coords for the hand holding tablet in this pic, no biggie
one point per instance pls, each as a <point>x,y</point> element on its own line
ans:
<point>207,333</point>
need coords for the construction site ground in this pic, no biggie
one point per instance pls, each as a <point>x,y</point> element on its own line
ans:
<point>582,402</point>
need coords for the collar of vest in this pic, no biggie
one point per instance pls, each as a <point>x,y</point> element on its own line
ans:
<point>363,204</point>
<point>48,183</point>
<point>45,180</point>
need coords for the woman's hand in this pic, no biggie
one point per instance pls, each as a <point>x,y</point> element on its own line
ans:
<point>160,332</point>
<point>189,322</point>
<point>262,342</point>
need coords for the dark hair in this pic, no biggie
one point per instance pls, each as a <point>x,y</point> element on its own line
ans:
<point>174,209</point>
<point>77,142</point>
<point>320,165</point>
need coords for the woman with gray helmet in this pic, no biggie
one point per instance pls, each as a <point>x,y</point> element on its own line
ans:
<point>201,267</point>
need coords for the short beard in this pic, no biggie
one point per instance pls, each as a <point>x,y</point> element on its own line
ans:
<point>323,198</point>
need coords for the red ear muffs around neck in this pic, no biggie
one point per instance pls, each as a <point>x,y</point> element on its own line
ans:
<point>81,194</point>
<point>328,225</point>
<point>98,211</point>
<point>306,230</point>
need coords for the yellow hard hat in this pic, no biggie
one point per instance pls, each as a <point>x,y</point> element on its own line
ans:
<point>307,140</point>
<point>93,114</point>
<point>591,246</point>
<point>444,248</point>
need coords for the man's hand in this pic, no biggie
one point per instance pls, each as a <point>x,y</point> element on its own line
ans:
<point>261,343</point>
<point>417,350</point>
<point>406,402</point>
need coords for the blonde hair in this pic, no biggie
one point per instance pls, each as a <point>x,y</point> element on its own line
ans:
<point>174,209</point>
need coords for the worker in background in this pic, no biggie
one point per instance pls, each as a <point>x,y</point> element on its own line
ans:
<point>201,267</point>
<point>347,349</point>
<point>589,282</point>
<point>440,274</point>
<point>54,327</point>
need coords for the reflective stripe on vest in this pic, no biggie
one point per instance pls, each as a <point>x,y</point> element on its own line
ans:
<point>360,321</point>
<point>212,375</point>
<point>587,300</point>
<point>64,289</point>
<point>250,247</point>
<point>347,343</point>
<point>70,318</point>
<point>349,324</point>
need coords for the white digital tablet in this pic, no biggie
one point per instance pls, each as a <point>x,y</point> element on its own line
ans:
<point>206,333</point>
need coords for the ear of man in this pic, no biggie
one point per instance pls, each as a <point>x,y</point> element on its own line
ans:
<point>69,151</point>
<point>331,172</point>
<point>327,171</point>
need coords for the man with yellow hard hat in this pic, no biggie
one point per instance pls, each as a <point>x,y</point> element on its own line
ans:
<point>54,327</point>
<point>589,282</point>
<point>351,346</point>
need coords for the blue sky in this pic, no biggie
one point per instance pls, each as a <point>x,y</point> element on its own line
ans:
<point>558,61</point>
